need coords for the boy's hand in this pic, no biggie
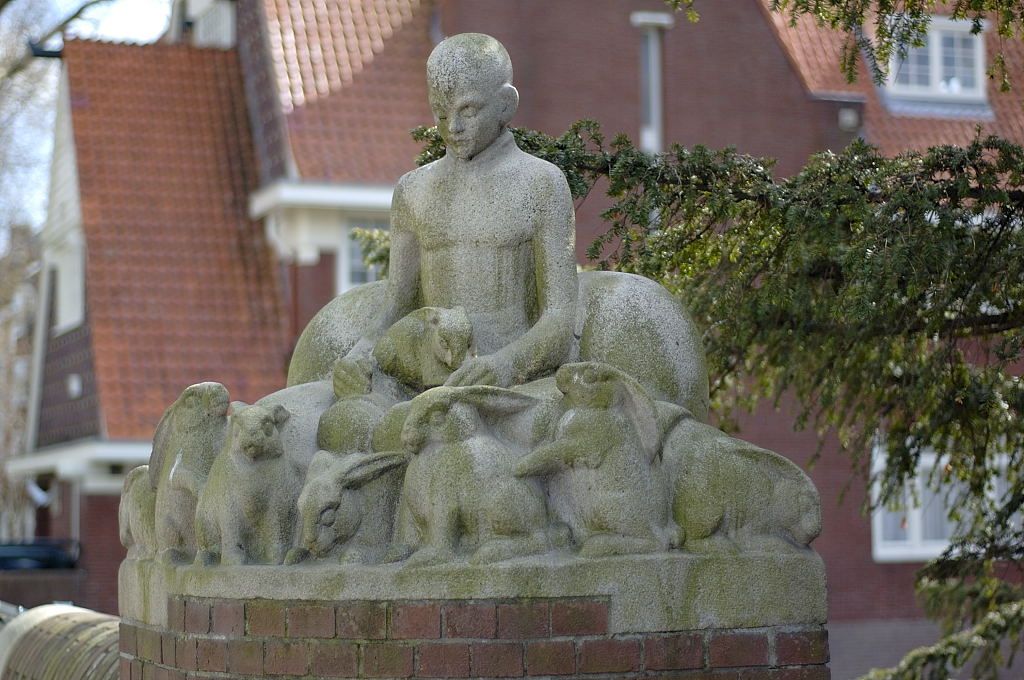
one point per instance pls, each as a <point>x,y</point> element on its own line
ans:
<point>352,376</point>
<point>486,370</point>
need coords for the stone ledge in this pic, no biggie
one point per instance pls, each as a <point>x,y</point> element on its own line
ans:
<point>646,593</point>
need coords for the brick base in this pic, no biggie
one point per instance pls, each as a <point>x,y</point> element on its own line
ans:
<point>562,637</point>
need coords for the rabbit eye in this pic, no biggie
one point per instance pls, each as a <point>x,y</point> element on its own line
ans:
<point>328,515</point>
<point>268,428</point>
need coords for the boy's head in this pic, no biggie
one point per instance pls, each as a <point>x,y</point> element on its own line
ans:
<point>469,78</point>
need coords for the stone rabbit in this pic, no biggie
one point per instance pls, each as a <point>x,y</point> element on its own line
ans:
<point>247,511</point>
<point>187,440</point>
<point>348,425</point>
<point>306,403</point>
<point>459,493</point>
<point>135,514</point>
<point>729,494</point>
<point>347,507</point>
<point>603,477</point>
<point>424,347</point>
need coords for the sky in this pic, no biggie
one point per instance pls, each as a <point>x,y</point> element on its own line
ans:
<point>134,20</point>
<point>122,20</point>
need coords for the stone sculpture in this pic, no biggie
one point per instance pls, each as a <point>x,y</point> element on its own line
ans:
<point>459,490</point>
<point>136,514</point>
<point>348,503</point>
<point>247,509</point>
<point>486,403</point>
<point>729,494</point>
<point>348,425</point>
<point>424,347</point>
<point>187,440</point>
<point>602,463</point>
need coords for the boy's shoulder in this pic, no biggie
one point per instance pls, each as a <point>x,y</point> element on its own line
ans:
<point>419,176</point>
<point>536,173</point>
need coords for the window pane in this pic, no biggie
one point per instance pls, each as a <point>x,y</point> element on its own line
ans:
<point>1002,489</point>
<point>894,525</point>
<point>358,272</point>
<point>914,70</point>
<point>935,525</point>
<point>958,64</point>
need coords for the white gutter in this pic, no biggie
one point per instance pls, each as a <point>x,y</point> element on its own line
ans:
<point>75,459</point>
<point>290,194</point>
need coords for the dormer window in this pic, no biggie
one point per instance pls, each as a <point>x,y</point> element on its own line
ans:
<point>949,66</point>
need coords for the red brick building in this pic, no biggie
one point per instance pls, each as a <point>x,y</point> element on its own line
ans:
<point>204,189</point>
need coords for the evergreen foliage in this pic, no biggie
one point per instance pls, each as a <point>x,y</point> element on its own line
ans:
<point>885,294</point>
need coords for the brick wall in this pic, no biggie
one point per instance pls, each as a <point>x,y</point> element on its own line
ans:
<point>309,289</point>
<point>102,552</point>
<point>34,587</point>
<point>727,79</point>
<point>449,639</point>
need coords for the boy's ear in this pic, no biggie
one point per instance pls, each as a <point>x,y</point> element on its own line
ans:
<point>510,96</point>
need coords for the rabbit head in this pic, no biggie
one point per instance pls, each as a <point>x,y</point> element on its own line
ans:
<point>452,414</point>
<point>601,386</point>
<point>436,416</point>
<point>255,433</point>
<point>331,504</point>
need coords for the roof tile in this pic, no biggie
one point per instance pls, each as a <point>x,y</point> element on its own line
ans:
<point>351,84</point>
<point>181,285</point>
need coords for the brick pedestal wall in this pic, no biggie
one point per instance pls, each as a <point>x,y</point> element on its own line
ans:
<point>563,638</point>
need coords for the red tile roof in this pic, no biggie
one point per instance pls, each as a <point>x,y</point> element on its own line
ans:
<point>815,52</point>
<point>181,286</point>
<point>351,81</point>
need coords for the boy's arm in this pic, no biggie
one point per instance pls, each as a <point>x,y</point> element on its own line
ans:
<point>402,283</point>
<point>546,345</point>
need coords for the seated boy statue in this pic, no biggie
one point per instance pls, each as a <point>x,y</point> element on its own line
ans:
<point>487,228</point>
<point>490,230</point>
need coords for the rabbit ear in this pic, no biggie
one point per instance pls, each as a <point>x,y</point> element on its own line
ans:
<point>545,460</point>
<point>414,430</point>
<point>281,414</point>
<point>237,406</point>
<point>629,395</point>
<point>668,416</point>
<point>372,466</point>
<point>644,414</point>
<point>494,401</point>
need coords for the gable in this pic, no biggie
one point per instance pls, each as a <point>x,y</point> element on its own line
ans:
<point>181,284</point>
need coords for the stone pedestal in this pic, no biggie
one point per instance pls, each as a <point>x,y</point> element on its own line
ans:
<point>667,615</point>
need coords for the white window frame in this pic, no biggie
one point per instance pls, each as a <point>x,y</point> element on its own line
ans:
<point>934,91</point>
<point>916,548</point>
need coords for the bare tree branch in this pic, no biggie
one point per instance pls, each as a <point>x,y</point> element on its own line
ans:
<point>26,57</point>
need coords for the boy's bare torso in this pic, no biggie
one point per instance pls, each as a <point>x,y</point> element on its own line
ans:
<point>486,266</point>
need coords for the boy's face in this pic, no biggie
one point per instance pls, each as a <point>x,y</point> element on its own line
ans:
<point>470,116</point>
